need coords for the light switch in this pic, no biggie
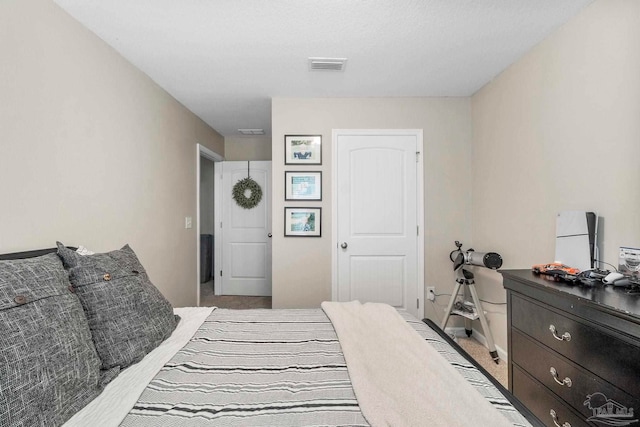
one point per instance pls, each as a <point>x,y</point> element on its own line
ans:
<point>187,222</point>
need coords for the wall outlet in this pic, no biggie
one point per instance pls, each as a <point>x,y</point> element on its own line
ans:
<point>431,293</point>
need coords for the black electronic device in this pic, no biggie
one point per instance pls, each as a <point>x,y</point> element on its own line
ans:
<point>596,273</point>
<point>587,281</point>
<point>592,277</point>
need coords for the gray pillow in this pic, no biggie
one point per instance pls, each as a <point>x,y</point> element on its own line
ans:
<point>49,368</point>
<point>127,315</point>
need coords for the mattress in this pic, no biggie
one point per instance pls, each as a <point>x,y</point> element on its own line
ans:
<point>253,367</point>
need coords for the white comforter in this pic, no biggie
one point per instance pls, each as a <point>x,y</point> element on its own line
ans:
<point>398,378</point>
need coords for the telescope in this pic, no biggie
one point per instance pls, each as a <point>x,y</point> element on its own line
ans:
<point>459,257</point>
<point>471,311</point>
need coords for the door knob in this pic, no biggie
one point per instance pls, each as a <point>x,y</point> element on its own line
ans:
<point>269,235</point>
<point>344,245</point>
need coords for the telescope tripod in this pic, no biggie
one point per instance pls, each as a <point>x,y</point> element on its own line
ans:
<point>465,277</point>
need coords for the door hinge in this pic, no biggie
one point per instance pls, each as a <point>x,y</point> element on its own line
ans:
<point>417,156</point>
<point>417,302</point>
<point>220,224</point>
<point>220,273</point>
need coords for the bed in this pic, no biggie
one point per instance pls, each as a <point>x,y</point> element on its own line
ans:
<point>278,368</point>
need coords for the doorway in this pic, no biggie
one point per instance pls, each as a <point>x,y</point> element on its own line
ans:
<point>214,202</point>
<point>378,239</point>
<point>243,250</point>
<point>205,220</point>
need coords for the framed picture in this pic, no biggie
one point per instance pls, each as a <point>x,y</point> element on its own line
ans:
<point>302,150</point>
<point>302,222</point>
<point>302,185</point>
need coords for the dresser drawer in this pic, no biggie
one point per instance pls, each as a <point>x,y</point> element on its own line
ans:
<point>542,402</point>
<point>610,358</point>
<point>538,362</point>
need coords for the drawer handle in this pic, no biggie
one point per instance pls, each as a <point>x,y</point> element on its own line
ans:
<point>566,381</point>
<point>565,337</point>
<point>555,420</point>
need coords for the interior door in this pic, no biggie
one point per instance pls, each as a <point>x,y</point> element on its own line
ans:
<point>245,233</point>
<point>377,219</point>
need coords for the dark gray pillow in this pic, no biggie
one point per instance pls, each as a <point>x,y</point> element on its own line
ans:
<point>49,368</point>
<point>127,315</point>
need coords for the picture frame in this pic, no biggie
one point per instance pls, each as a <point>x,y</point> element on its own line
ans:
<point>302,222</point>
<point>302,149</point>
<point>300,185</point>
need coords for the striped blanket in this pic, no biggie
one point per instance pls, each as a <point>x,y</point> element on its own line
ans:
<point>272,368</point>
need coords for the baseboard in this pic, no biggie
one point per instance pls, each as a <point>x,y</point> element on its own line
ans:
<point>460,332</point>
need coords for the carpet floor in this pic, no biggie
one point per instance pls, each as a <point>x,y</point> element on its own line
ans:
<point>481,355</point>
<point>236,302</point>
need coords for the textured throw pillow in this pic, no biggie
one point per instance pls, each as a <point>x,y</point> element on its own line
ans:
<point>49,368</point>
<point>127,315</point>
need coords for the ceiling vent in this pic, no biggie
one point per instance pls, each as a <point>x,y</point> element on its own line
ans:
<point>327,64</point>
<point>251,131</point>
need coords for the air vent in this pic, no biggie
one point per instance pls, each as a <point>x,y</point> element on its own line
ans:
<point>327,64</point>
<point>251,131</point>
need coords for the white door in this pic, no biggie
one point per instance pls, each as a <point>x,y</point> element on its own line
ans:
<point>245,238</point>
<point>378,212</point>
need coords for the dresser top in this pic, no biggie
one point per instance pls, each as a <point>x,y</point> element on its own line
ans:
<point>607,298</point>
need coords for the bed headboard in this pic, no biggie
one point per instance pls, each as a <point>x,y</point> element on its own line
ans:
<point>30,254</point>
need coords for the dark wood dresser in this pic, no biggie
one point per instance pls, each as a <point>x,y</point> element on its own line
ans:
<point>574,351</point>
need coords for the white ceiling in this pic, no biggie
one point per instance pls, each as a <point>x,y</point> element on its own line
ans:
<point>226,59</point>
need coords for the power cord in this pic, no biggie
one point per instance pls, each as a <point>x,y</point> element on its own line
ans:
<point>602,262</point>
<point>488,302</point>
<point>439,295</point>
<point>494,303</point>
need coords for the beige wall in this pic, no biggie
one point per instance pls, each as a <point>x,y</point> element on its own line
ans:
<point>247,148</point>
<point>446,123</point>
<point>559,130</point>
<point>92,151</point>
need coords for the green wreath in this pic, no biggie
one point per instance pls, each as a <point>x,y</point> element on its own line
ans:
<point>240,193</point>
